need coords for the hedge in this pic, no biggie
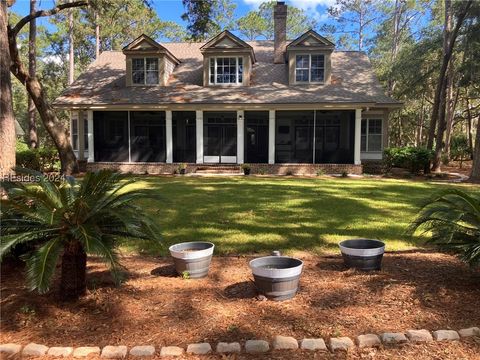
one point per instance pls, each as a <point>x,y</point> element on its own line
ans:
<point>43,159</point>
<point>415,159</point>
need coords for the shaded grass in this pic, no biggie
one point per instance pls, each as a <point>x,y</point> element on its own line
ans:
<point>261,214</point>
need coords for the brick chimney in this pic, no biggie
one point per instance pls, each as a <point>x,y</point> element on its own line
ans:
<point>280,32</point>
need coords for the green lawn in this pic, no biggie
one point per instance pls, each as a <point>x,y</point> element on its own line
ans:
<point>260,214</point>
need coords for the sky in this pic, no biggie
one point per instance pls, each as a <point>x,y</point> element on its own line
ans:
<point>171,10</point>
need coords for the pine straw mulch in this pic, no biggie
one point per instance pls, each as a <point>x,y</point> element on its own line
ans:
<point>414,290</point>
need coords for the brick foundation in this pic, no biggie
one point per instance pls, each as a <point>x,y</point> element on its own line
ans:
<point>373,167</point>
<point>305,169</point>
<point>139,167</point>
<point>264,169</point>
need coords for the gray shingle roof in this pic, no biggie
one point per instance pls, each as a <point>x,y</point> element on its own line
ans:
<point>103,83</point>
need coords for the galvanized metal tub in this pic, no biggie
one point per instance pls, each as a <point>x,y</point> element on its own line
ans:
<point>192,259</point>
<point>363,254</point>
<point>277,277</point>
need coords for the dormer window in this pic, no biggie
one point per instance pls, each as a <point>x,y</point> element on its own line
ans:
<point>148,62</point>
<point>226,70</point>
<point>227,60</point>
<point>309,68</point>
<point>310,60</point>
<point>145,71</point>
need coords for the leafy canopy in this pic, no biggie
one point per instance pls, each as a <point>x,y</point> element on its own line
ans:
<point>256,24</point>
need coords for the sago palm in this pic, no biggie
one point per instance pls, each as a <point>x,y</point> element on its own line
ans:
<point>452,219</point>
<point>69,220</point>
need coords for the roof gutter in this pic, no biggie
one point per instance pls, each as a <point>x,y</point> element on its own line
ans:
<point>230,106</point>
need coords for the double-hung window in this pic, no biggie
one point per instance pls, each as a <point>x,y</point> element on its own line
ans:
<point>74,133</point>
<point>310,68</point>
<point>371,136</point>
<point>145,71</point>
<point>226,70</point>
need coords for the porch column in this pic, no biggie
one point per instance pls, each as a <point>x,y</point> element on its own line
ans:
<point>168,136</point>
<point>199,126</point>
<point>240,134</point>
<point>91,157</point>
<point>271,137</point>
<point>81,135</point>
<point>358,136</point>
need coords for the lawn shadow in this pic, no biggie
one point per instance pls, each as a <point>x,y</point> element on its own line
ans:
<point>258,215</point>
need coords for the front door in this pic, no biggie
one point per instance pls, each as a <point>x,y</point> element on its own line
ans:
<point>256,136</point>
<point>184,136</point>
<point>220,137</point>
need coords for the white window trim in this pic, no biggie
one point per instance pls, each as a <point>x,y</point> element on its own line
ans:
<point>76,117</point>
<point>214,83</point>
<point>309,69</point>
<point>367,133</point>
<point>145,71</point>
<point>72,135</point>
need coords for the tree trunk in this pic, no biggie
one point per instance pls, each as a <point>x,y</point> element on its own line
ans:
<point>469,127</point>
<point>451,106</point>
<point>395,42</point>
<point>420,122</point>
<point>71,59</point>
<point>97,36</point>
<point>438,113</point>
<point>360,30</point>
<point>400,131</point>
<point>439,104</point>
<point>32,69</point>
<point>475,176</point>
<point>441,79</point>
<point>439,143</point>
<point>74,268</point>
<point>7,119</point>
<point>53,126</point>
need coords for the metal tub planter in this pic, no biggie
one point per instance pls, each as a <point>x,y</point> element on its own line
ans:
<point>363,254</point>
<point>192,259</point>
<point>277,277</point>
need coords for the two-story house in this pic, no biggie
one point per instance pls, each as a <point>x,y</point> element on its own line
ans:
<point>282,106</point>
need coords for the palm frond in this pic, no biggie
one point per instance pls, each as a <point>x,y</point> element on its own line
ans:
<point>41,265</point>
<point>8,242</point>
<point>92,213</point>
<point>452,219</point>
<point>104,247</point>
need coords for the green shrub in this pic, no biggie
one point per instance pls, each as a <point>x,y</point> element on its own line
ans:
<point>21,146</point>
<point>412,158</point>
<point>43,159</point>
<point>460,149</point>
<point>246,168</point>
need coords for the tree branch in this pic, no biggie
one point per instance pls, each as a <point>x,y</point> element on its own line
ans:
<point>41,13</point>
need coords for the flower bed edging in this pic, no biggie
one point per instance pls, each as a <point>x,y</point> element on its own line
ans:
<point>280,343</point>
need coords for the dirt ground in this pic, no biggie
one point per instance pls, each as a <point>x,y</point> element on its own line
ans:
<point>414,290</point>
<point>454,167</point>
